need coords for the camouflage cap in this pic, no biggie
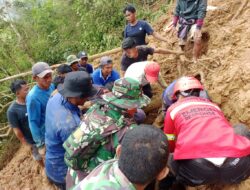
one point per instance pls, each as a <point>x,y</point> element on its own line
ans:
<point>127,94</point>
<point>72,59</point>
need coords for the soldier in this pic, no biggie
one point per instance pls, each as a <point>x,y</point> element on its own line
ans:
<point>140,146</point>
<point>102,129</point>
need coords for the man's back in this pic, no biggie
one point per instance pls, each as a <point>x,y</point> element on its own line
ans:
<point>136,71</point>
<point>200,126</point>
<point>102,129</point>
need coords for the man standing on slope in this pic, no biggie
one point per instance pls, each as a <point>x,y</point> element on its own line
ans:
<point>190,15</point>
<point>37,100</point>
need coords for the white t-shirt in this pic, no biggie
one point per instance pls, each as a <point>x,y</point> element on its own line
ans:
<point>136,71</point>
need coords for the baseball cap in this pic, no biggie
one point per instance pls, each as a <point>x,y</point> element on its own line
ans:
<point>77,84</point>
<point>41,69</point>
<point>72,59</point>
<point>105,60</point>
<point>128,43</point>
<point>82,54</point>
<point>152,70</point>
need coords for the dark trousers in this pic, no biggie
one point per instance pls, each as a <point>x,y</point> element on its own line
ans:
<point>201,171</point>
<point>147,90</point>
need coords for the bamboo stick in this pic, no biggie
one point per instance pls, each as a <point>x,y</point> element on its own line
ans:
<point>96,56</point>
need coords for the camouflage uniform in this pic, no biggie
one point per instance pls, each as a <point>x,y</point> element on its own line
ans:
<point>101,130</point>
<point>106,176</point>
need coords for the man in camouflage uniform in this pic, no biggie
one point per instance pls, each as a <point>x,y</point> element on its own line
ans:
<point>140,146</point>
<point>102,129</point>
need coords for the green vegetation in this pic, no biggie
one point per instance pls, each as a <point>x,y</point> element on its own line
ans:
<point>49,30</point>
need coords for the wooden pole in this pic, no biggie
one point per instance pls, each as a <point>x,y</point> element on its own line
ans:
<point>96,56</point>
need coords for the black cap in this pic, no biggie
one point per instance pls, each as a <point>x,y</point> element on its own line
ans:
<point>77,84</point>
<point>62,69</point>
<point>128,43</point>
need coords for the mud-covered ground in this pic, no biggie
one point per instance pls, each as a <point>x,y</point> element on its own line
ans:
<point>224,68</point>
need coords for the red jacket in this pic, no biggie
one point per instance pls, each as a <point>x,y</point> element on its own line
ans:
<point>197,128</point>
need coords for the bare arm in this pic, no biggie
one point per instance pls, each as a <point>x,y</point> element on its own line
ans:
<point>167,51</point>
<point>19,135</point>
<point>161,81</point>
<point>159,37</point>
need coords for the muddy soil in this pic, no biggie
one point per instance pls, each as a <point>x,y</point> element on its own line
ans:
<point>224,67</point>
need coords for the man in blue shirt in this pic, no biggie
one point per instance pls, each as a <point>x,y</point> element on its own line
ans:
<point>62,118</point>
<point>36,103</point>
<point>83,62</point>
<point>138,29</point>
<point>105,74</point>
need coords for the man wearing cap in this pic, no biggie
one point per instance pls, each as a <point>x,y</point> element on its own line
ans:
<point>133,53</point>
<point>83,62</point>
<point>102,129</point>
<point>73,61</point>
<point>36,102</point>
<point>105,74</point>
<point>76,89</point>
<point>146,72</point>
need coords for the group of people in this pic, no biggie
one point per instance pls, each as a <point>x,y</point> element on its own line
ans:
<point>86,126</point>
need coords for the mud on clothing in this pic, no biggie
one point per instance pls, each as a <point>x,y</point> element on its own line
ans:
<point>199,125</point>
<point>62,118</point>
<point>36,102</point>
<point>138,32</point>
<point>143,52</point>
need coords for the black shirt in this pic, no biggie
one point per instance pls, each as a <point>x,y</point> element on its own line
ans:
<point>18,118</point>
<point>143,52</point>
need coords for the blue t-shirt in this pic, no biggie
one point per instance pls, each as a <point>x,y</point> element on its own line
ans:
<point>62,118</point>
<point>99,80</point>
<point>138,32</point>
<point>88,67</point>
<point>36,102</point>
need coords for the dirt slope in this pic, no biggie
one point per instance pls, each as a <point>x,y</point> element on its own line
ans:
<point>225,69</point>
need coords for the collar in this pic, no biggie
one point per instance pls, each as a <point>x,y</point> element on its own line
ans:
<point>101,76</point>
